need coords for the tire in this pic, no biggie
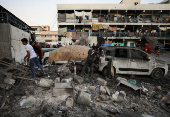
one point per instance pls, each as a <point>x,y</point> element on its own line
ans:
<point>157,73</point>
<point>105,71</point>
<point>46,61</point>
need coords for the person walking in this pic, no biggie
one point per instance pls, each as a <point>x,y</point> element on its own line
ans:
<point>32,56</point>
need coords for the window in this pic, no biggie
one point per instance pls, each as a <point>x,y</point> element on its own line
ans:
<point>42,35</point>
<point>49,36</point>
<point>37,35</point>
<point>48,40</point>
<point>56,36</point>
<point>122,53</point>
<point>137,54</point>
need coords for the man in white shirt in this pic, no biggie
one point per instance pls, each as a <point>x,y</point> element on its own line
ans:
<point>32,56</point>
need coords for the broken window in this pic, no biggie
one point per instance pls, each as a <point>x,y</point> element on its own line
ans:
<point>121,53</point>
<point>136,54</point>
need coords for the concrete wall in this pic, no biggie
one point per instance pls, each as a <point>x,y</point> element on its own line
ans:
<point>5,43</point>
<point>10,42</point>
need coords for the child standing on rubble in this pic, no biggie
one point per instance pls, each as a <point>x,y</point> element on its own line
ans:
<point>158,52</point>
<point>32,56</point>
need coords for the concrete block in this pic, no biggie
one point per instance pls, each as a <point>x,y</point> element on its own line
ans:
<point>57,80</point>
<point>69,102</point>
<point>104,97</point>
<point>79,79</point>
<point>60,92</point>
<point>107,90</point>
<point>84,98</point>
<point>101,82</point>
<point>62,85</point>
<point>44,82</point>
<point>92,89</point>
<point>102,90</point>
<point>100,113</point>
<point>67,80</point>
<point>9,81</point>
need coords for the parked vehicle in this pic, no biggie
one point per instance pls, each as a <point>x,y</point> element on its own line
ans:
<point>128,60</point>
<point>46,55</point>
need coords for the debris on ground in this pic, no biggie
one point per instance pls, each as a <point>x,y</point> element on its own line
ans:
<point>62,93</point>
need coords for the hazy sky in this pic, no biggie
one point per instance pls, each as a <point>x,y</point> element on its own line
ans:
<point>43,12</point>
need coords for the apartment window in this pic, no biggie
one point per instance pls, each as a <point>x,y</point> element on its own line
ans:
<point>42,35</point>
<point>49,36</point>
<point>56,36</point>
<point>48,40</point>
<point>37,35</point>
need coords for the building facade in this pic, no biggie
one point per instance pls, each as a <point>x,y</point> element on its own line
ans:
<point>114,23</point>
<point>43,34</point>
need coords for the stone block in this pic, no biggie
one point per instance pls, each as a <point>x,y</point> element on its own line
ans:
<point>9,81</point>
<point>101,82</point>
<point>66,80</point>
<point>69,102</point>
<point>61,92</point>
<point>102,90</point>
<point>57,80</point>
<point>84,98</point>
<point>92,89</point>
<point>44,82</point>
<point>79,79</point>
<point>104,97</point>
<point>100,113</point>
<point>62,85</point>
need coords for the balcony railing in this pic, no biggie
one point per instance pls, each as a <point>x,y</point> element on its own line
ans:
<point>129,34</point>
<point>118,20</point>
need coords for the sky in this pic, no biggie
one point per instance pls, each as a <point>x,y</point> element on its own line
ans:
<point>43,12</point>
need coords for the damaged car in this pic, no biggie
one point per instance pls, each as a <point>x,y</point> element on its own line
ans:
<point>133,61</point>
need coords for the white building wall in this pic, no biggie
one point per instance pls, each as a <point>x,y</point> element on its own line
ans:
<point>129,42</point>
<point>17,49</point>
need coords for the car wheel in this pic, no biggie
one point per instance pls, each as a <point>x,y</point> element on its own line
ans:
<point>46,61</point>
<point>157,73</point>
<point>105,71</point>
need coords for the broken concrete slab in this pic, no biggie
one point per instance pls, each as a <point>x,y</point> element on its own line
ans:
<point>101,82</point>
<point>78,79</point>
<point>9,81</point>
<point>69,102</point>
<point>62,85</point>
<point>100,113</point>
<point>104,97</point>
<point>66,80</point>
<point>102,90</point>
<point>57,80</point>
<point>92,89</point>
<point>125,82</point>
<point>60,92</point>
<point>44,82</point>
<point>107,90</point>
<point>84,98</point>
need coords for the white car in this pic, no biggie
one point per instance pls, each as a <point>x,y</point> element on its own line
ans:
<point>46,55</point>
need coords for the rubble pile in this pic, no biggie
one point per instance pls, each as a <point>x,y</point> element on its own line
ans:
<point>71,95</point>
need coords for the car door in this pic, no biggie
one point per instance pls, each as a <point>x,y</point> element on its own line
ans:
<point>139,64</point>
<point>121,60</point>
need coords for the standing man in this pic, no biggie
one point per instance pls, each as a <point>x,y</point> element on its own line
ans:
<point>89,61</point>
<point>32,56</point>
<point>147,48</point>
<point>38,50</point>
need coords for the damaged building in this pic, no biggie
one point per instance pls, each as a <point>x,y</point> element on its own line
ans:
<point>127,23</point>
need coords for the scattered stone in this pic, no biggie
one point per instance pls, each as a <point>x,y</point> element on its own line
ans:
<point>92,89</point>
<point>104,97</point>
<point>62,92</point>
<point>84,98</point>
<point>78,79</point>
<point>100,113</point>
<point>9,81</point>
<point>123,94</point>
<point>17,97</point>
<point>3,86</point>
<point>102,90</point>
<point>57,80</point>
<point>107,91</point>
<point>101,82</point>
<point>62,85</point>
<point>44,82</point>
<point>120,99</point>
<point>112,109</point>
<point>66,80</point>
<point>69,102</point>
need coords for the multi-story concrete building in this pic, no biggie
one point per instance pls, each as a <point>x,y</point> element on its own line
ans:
<point>128,22</point>
<point>43,34</point>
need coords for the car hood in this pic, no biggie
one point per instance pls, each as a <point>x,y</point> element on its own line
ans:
<point>160,61</point>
